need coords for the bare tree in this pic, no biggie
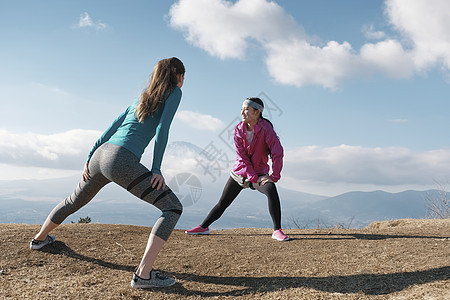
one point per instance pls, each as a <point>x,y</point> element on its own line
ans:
<point>342,226</point>
<point>438,205</point>
<point>304,223</point>
<point>296,223</point>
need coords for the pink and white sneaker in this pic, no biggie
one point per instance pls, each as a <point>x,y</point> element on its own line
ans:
<point>279,235</point>
<point>198,230</point>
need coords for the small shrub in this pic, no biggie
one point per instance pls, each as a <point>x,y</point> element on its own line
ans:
<point>84,220</point>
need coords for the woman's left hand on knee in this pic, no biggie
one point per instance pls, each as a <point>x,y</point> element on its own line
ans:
<point>264,179</point>
<point>158,181</point>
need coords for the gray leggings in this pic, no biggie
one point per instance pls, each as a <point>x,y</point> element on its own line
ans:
<point>114,163</point>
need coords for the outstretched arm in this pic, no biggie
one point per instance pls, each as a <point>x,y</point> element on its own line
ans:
<point>108,132</point>
<point>104,138</point>
<point>162,131</point>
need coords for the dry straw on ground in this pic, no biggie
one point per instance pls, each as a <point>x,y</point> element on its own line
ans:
<point>403,259</point>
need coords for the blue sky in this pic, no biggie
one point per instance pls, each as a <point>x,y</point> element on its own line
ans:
<point>358,89</point>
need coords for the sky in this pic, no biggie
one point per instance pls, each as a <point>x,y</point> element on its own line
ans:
<point>357,90</point>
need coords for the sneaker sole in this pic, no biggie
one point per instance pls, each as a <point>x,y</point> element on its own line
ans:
<point>139,283</point>
<point>38,247</point>
<point>150,286</point>
<point>280,240</point>
<point>198,233</point>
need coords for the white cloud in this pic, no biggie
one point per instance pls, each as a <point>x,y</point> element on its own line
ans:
<point>370,33</point>
<point>321,170</point>
<point>14,172</point>
<point>173,164</point>
<point>388,57</point>
<point>335,170</point>
<point>86,21</point>
<point>66,150</point>
<point>300,63</point>
<point>371,166</point>
<point>426,24</point>
<point>200,121</point>
<point>225,29</point>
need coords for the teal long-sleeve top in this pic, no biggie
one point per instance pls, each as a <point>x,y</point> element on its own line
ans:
<point>126,131</point>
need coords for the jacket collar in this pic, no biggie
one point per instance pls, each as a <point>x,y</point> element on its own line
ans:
<point>256,128</point>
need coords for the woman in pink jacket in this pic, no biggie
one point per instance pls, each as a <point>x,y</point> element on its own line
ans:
<point>255,140</point>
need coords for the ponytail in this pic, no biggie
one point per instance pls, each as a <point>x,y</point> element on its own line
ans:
<point>268,121</point>
<point>162,82</point>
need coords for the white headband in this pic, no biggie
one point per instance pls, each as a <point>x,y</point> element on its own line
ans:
<point>253,104</point>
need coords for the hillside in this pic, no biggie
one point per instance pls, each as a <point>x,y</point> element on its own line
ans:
<point>367,207</point>
<point>403,259</point>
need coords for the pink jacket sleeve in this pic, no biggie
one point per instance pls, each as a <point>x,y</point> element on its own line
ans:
<point>276,150</point>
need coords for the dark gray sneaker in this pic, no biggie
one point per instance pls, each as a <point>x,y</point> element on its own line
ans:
<point>156,280</point>
<point>36,245</point>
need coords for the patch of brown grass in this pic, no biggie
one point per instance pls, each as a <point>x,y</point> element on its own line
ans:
<point>402,259</point>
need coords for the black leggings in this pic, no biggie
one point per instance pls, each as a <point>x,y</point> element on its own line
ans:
<point>232,190</point>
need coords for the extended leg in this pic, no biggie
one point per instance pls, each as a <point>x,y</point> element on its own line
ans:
<point>84,193</point>
<point>230,192</point>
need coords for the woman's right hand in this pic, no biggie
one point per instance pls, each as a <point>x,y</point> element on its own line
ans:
<point>86,172</point>
<point>158,181</point>
<point>264,179</point>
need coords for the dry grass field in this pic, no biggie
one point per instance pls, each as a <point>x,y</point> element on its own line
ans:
<point>402,259</point>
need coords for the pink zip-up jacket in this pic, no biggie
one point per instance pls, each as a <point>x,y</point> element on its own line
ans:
<point>251,160</point>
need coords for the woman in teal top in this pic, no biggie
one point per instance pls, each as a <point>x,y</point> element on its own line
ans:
<point>128,132</point>
<point>115,157</point>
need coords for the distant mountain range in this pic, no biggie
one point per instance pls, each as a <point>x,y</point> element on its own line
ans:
<point>114,205</point>
<point>358,209</point>
<point>29,201</point>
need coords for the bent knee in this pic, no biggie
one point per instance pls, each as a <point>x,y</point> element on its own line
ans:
<point>178,209</point>
<point>270,186</point>
<point>171,203</point>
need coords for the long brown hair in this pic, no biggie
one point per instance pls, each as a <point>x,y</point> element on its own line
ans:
<point>162,82</point>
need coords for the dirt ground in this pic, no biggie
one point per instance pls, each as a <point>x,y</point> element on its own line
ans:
<point>403,259</point>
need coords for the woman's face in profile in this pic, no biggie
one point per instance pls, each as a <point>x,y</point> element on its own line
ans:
<point>249,114</point>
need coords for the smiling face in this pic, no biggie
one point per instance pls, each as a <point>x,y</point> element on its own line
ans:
<point>250,115</point>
